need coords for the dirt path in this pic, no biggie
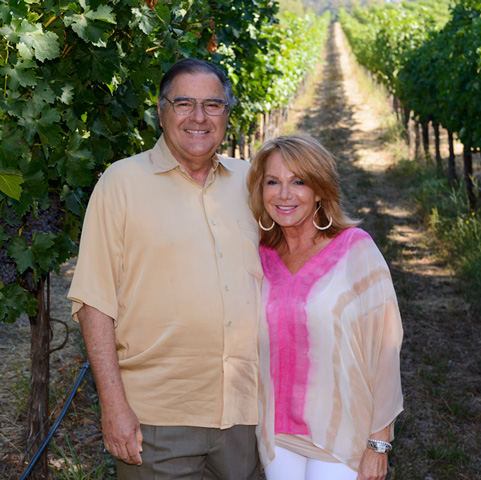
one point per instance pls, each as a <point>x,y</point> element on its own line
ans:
<point>439,434</point>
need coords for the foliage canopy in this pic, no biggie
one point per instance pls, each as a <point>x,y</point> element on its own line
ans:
<point>79,81</point>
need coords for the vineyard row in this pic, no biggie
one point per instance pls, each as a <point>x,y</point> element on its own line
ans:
<point>428,56</point>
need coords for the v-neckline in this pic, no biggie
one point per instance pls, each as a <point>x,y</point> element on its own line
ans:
<point>309,263</point>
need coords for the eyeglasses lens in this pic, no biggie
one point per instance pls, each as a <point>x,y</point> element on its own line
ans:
<point>185,106</point>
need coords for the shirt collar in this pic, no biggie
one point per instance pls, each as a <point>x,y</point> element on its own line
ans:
<point>163,160</point>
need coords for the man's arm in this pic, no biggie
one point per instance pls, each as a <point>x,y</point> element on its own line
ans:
<point>120,426</point>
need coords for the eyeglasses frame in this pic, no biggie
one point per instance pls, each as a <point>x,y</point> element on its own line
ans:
<point>195,105</point>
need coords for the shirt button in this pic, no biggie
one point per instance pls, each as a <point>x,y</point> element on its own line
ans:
<point>213,222</point>
<point>227,288</point>
<point>229,324</point>
<point>220,254</point>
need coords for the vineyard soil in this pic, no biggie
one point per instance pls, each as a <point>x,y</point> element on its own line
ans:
<point>438,436</point>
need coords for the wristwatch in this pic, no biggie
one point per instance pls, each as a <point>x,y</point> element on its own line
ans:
<point>379,446</point>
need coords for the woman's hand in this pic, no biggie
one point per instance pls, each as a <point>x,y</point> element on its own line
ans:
<point>373,466</point>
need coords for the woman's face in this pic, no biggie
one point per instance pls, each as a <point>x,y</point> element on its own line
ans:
<point>287,200</point>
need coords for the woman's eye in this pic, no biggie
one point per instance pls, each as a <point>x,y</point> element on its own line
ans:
<point>271,182</point>
<point>298,182</point>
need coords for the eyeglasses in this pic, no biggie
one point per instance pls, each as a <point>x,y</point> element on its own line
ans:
<point>186,105</point>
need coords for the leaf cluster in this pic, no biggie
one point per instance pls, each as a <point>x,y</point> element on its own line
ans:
<point>79,81</point>
<point>77,90</point>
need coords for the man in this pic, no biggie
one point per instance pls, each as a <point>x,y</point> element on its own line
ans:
<point>167,289</point>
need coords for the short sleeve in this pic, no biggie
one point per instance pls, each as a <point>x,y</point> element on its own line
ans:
<point>98,272</point>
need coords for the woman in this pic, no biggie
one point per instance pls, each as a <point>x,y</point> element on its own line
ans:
<point>331,331</point>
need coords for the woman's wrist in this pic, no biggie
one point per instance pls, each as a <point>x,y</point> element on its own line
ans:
<point>379,441</point>
<point>379,446</point>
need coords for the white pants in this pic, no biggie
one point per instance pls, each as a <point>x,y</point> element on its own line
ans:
<point>290,466</point>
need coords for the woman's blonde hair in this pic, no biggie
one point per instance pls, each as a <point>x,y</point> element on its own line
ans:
<point>304,156</point>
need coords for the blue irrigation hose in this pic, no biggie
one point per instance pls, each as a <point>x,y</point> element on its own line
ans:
<point>56,424</point>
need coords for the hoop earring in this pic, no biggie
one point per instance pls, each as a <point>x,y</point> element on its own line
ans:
<point>314,219</point>
<point>264,228</point>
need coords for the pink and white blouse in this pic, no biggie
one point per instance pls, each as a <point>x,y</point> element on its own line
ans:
<point>329,353</point>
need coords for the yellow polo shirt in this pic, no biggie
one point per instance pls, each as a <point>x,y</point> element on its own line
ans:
<point>176,266</point>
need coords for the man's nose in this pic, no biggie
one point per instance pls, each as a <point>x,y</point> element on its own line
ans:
<point>198,114</point>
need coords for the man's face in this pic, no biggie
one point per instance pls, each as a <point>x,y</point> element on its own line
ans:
<point>193,138</point>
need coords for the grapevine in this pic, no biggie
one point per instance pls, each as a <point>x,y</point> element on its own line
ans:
<point>431,63</point>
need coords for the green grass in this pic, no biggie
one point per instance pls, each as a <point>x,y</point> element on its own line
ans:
<point>456,230</point>
<point>69,465</point>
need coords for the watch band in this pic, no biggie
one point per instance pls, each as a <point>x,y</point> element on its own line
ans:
<point>379,446</point>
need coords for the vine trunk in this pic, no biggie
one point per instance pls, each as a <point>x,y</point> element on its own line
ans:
<point>39,383</point>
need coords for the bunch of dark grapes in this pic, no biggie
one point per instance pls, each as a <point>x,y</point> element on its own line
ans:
<point>8,270</point>
<point>50,220</point>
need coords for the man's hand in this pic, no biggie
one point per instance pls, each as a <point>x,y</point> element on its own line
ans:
<point>122,435</point>
<point>373,466</point>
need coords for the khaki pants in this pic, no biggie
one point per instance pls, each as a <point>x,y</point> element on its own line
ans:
<point>195,453</point>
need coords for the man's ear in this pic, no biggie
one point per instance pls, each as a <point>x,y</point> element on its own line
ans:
<point>159,113</point>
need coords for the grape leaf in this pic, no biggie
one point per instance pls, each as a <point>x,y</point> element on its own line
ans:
<point>105,62</point>
<point>73,200</point>
<point>145,19</point>
<point>13,146</point>
<point>46,46</point>
<point>103,13</point>
<point>34,40</point>
<point>79,163</point>
<point>41,249</point>
<point>17,76</point>
<point>14,301</point>
<point>93,25</point>
<point>10,184</point>
<point>21,253</point>
<point>67,94</point>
